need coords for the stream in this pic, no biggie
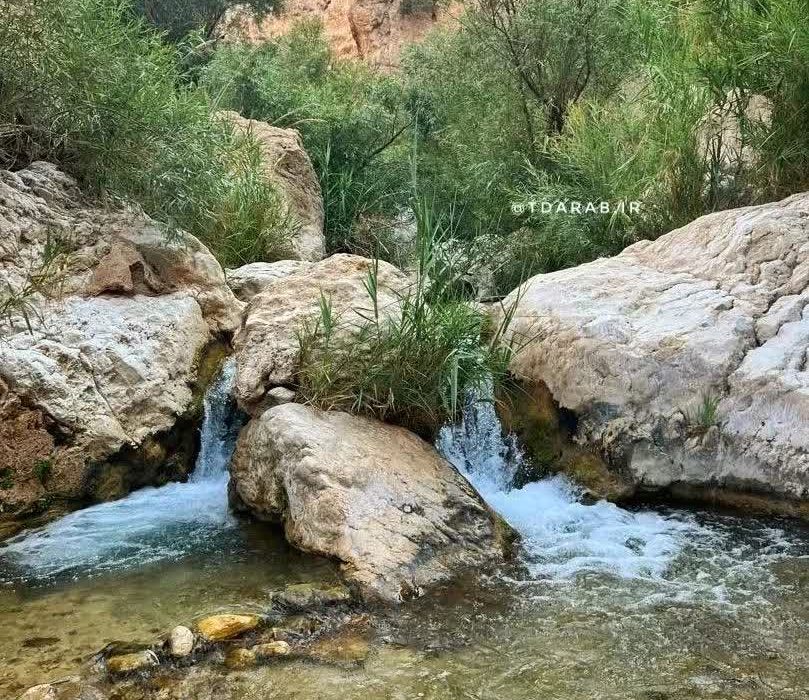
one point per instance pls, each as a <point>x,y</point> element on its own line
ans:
<point>608,603</point>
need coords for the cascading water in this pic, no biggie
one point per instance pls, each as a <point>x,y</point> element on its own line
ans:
<point>149,525</point>
<point>672,555</point>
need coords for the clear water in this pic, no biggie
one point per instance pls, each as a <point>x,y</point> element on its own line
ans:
<point>149,525</point>
<point>610,604</point>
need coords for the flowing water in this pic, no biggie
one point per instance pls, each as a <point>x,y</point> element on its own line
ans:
<point>608,603</point>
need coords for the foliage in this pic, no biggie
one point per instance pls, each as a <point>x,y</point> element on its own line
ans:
<point>705,415</point>
<point>351,119</point>
<point>85,85</point>
<point>40,280</point>
<point>179,17</point>
<point>43,470</point>
<point>413,367</point>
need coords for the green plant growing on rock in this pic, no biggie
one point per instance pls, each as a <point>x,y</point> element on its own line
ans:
<point>413,365</point>
<point>43,470</point>
<point>40,281</point>
<point>704,416</point>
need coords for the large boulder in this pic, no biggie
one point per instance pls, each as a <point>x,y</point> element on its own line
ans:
<point>373,496</point>
<point>287,166</point>
<point>267,347</point>
<point>685,359</point>
<point>103,329</point>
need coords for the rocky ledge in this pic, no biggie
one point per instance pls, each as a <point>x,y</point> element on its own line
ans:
<point>104,332</point>
<point>684,360</point>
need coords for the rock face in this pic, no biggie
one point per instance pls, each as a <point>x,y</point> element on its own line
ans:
<point>375,31</point>
<point>287,166</point>
<point>643,346</point>
<point>102,335</point>
<point>267,347</point>
<point>248,280</point>
<point>373,496</point>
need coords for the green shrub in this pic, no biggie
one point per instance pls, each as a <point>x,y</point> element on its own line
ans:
<point>85,85</point>
<point>704,416</point>
<point>351,119</point>
<point>179,17</point>
<point>413,368</point>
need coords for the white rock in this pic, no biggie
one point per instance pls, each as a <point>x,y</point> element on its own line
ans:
<point>373,496</point>
<point>181,641</point>
<point>632,343</point>
<point>248,280</point>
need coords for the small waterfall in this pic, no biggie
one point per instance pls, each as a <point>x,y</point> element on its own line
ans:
<point>562,536</point>
<point>149,525</point>
<point>221,423</point>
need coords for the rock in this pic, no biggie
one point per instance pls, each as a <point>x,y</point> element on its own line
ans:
<point>350,645</point>
<point>268,650</point>
<point>287,166</point>
<point>44,691</point>
<point>634,345</point>
<point>237,659</point>
<point>280,394</point>
<point>87,378</point>
<point>375,31</point>
<point>217,628</point>
<point>248,280</point>
<point>373,496</point>
<point>120,271</point>
<point>181,641</point>
<point>300,596</point>
<point>127,663</point>
<point>267,349</point>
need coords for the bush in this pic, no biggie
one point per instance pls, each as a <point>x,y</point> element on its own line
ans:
<point>412,369</point>
<point>352,122</point>
<point>85,85</point>
<point>179,17</point>
<point>707,120</point>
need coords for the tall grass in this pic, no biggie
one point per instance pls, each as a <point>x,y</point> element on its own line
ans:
<point>84,84</point>
<point>411,366</point>
<point>351,119</point>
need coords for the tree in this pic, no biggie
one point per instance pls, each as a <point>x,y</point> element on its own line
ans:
<point>178,17</point>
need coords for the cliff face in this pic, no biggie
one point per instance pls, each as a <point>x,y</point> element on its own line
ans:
<point>371,30</point>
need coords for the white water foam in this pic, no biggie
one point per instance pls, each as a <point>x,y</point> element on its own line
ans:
<point>149,525</point>
<point>673,555</point>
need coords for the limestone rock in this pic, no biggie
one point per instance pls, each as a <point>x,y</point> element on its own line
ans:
<point>217,628</point>
<point>101,349</point>
<point>300,596</point>
<point>268,650</point>
<point>45,691</point>
<point>287,166</point>
<point>127,663</point>
<point>375,31</point>
<point>373,496</point>
<point>181,641</point>
<point>248,280</point>
<point>632,344</point>
<point>266,346</point>
<point>239,658</point>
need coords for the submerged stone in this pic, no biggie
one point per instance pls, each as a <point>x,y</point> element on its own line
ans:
<point>270,649</point>
<point>240,658</point>
<point>136,661</point>
<point>306,595</point>
<point>216,628</point>
<point>181,641</point>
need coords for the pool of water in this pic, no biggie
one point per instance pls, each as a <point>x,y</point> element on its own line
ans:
<point>604,603</point>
